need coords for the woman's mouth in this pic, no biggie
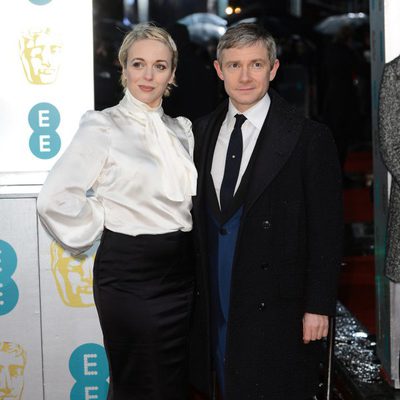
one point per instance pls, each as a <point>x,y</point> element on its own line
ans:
<point>145,88</point>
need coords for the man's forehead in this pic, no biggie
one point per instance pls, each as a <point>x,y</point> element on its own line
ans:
<point>249,52</point>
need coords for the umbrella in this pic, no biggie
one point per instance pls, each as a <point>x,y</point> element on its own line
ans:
<point>204,27</point>
<point>203,18</point>
<point>334,23</point>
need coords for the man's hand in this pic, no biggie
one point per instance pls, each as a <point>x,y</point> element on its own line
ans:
<point>315,327</point>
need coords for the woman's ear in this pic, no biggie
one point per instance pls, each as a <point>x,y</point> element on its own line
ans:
<point>172,79</point>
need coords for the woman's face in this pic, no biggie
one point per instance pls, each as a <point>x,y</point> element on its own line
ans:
<point>148,70</point>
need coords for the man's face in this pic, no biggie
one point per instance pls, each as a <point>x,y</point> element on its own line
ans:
<point>73,276</point>
<point>11,376</point>
<point>40,54</point>
<point>246,73</point>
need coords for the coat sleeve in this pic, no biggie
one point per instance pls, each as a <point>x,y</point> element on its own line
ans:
<point>389,119</point>
<point>66,212</point>
<point>324,207</point>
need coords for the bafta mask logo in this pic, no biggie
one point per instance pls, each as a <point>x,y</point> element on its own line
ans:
<point>12,366</point>
<point>73,276</point>
<point>40,52</point>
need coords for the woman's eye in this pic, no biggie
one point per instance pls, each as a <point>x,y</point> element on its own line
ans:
<point>160,67</point>
<point>137,64</point>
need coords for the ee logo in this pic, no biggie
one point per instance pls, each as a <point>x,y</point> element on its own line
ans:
<point>88,366</point>
<point>44,119</point>
<point>40,2</point>
<point>8,288</point>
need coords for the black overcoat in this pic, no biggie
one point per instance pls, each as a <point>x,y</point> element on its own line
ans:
<point>286,262</point>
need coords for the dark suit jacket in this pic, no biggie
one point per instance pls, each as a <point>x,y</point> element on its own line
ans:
<point>287,258</point>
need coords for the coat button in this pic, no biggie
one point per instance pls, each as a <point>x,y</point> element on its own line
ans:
<point>223,231</point>
<point>266,224</point>
<point>261,306</point>
<point>264,266</point>
<point>197,292</point>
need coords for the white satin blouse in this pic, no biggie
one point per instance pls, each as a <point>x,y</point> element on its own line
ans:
<point>137,161</point>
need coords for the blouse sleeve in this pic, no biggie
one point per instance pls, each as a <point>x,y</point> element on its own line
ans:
<point>187,127</point>
<point>67,213</point>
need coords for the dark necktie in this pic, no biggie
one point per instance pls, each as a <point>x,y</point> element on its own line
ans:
<point>232,164</point>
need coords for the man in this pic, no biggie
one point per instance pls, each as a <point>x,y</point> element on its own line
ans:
<point>268,221</point>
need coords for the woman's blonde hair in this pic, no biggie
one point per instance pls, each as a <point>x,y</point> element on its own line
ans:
<point>147,31</point>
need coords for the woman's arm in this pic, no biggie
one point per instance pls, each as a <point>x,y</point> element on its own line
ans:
<point>67,213</point>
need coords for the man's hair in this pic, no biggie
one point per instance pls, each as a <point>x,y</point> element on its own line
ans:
<point>145,31</point>
<point>244,35</point>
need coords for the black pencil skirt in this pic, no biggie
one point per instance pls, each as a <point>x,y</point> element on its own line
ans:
<point>143,288</point>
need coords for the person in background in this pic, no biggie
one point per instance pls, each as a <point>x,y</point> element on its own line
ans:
<point>268,228</point>
<point>138,163</point>
<point>341,107</point>
<point>389,142</point>
<point>196,93</point>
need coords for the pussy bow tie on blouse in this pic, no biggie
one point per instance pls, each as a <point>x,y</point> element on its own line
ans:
<point>174,160</point>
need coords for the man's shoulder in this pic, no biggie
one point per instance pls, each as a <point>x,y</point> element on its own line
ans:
<point>292,115</point>
<point>200,124</point>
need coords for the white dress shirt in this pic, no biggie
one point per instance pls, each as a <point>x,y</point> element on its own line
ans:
<point>255,117</point>
<point>137,161</point>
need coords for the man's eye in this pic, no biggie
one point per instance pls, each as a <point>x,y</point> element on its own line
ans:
<point>233,65</point>
<point>257,65</point>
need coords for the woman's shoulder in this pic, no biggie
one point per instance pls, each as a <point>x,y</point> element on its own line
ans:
<point>105,120</point>
<point>185,123</point>
<point>180,122</point>
<point>95,117</point>
<point>95,125</point>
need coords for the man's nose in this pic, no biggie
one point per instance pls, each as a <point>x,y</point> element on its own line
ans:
<point>245,74</point>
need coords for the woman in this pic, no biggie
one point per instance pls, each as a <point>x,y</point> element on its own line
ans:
<point>138,162</point>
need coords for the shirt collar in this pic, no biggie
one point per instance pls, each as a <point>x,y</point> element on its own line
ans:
<point>256,114</point>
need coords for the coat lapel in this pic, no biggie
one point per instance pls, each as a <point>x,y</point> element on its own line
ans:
<point>277,139</point>
<point>206,134</point>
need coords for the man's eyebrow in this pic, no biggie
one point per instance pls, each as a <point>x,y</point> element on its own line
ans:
<point>241,61</point>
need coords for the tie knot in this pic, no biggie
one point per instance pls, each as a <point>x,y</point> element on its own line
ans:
<point>240,118</point>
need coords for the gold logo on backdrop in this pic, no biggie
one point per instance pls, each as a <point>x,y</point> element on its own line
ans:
<point>73,276</point>
<point>40,52</point>
<point>12,367</point>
